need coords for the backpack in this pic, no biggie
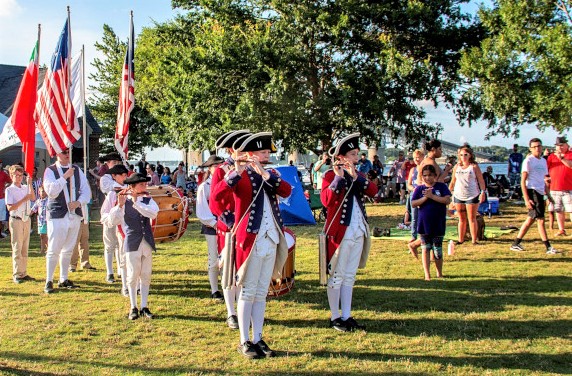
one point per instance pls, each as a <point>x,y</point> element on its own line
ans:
<point>480,229</point>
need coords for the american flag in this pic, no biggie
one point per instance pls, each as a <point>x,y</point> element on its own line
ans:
<point>55,115</point>
<point>126,98</point>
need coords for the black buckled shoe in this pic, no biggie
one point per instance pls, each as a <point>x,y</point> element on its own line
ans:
<point>352,324</point>
<point>67,284</point>
<point>217,296</point>
<point>249,350</point>
<point>28,278</point>
<point>134,314</point>
<point>110,278</point>
<point>263,347</point>
<point>232,322</point>
<point>49,288</point>
<point>146,313</point>
<point>339,325</point>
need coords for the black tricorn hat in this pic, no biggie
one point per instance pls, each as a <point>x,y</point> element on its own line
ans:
<point>256,142</point>
<point>137,178</point>
<point>238,141</point>
<point>112,157</point>
<point>346,144</point>
<point>212,160</point>
<point>227,139</point>
<point>118,170</point>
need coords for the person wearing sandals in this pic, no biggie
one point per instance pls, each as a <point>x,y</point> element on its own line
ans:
<point>261,248</point>
<point>347,230</point>
<point>432,198</point>
<point>468,187</point>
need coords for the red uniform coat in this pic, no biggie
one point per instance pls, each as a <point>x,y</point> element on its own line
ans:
<point>245,189</point>
<point>334,190</point>
<point>222,208</point>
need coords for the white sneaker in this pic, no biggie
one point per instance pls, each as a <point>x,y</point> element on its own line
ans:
<point>552,251</point>
<point>517,248</point>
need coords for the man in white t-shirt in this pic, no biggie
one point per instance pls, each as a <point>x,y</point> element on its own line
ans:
<point>534,182</point>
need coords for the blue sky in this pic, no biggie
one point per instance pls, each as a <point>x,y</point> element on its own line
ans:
<point>18,30</point>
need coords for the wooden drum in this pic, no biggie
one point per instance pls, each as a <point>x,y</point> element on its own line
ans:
<point>171,222</point>
<point>286,283</point>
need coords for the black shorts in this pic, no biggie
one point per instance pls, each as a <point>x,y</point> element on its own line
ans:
<point>474,200</point>
<point>539,206</point>
<point>401,186</point>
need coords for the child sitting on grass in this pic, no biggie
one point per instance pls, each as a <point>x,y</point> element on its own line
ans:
<point>432,198</point>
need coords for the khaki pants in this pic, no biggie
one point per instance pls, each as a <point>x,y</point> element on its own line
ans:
<point>20,239</point>
<point>81,247</point>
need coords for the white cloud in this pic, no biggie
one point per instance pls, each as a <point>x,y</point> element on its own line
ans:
<point>9,8</point>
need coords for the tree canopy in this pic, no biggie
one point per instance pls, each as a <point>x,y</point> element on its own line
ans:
<point>522,70</point>
<point>308,70</point>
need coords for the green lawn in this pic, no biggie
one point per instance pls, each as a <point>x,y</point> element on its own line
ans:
<point>496,312</point>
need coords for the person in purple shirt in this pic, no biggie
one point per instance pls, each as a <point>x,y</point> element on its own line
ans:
<point>432,198</point>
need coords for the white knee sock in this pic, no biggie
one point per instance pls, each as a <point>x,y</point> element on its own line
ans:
<point>117,261</point>
<point>144,295</point>
<point>230,299</point>
<point>51,263</point>
<point>334,302</point>
<point>346,299</point>
<point>133,294</point>
<point>213,279</point>
<point>123,278</point>
<point>258,309</point>
<point>244,313</point>
<point>65,259</point>
<point>108,262</point>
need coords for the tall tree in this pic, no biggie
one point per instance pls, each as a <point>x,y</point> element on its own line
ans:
<point>306,70</point>
<point>522,71</point>
<point>145,130</point>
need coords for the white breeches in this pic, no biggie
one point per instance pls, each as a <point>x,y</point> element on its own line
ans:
<point>348,261</point>
<point>259,270</point>
<point>62,237</point>
<point>139,264</point>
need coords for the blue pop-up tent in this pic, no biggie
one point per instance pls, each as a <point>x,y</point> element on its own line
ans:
<point>295,208</point>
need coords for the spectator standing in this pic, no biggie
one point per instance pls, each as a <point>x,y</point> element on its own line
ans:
<point>4,182</point>
<point>179,177</point>
<point>155,180</point>
<point>17,196</point>
<point>514,165</point>
<point>160,168</point>
<point>434,151</point>
<point>40,207</point>
<point>468,189</point>
<point>414,243</point>
<point>560,171</point>
<point>432,198</point>
<point>534,186</point>
<point>81,250</point>
<point>320,168</point>
<point>142,164</point>
<point>166,176</point>
<point>377,166</point>
<point>364,164</point>
<point>398,173</point>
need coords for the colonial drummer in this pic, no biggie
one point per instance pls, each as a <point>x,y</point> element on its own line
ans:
<point>343,195</point>
<point>261,248</point>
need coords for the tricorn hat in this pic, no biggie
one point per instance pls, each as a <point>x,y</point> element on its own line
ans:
<point>227,139</point>
<point>256,142</point>
<point>112,157</point>
<point>561,140</point>
<point>212,160</point>
<point>137,178</point>
<point>118,170</point>
<point>346,144</point>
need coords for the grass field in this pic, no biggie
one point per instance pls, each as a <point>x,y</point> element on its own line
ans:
<point>497,312</point>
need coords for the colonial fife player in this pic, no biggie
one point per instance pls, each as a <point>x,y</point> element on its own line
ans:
<point>223,209</point>
<point>343,194</point>
<point>261,248</point>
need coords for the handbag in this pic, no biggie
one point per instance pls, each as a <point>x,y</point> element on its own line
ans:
<point>323,246</point>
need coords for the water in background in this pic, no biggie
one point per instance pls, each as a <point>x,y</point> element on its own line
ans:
<point>499,168</point>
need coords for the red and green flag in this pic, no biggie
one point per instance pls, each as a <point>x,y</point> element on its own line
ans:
<point>23,111</point>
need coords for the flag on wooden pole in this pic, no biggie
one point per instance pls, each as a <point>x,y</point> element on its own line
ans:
<point>22,118</point>
<point>126,97</point>
<point>55,115</point>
